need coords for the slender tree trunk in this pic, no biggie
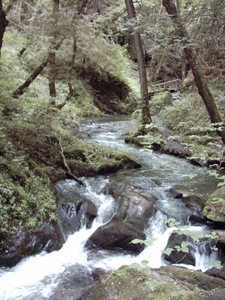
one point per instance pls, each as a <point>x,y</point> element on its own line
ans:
<point>19,8</point>
<point>3,24</point>
<point>21,90</point>
<point>196,68</point>
<point>52,51</point>
<point>70,75</point>
<point>146,118</point>
<point>71,89</point>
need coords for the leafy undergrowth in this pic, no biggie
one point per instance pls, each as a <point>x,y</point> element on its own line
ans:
<point>186,122</point>
<point>189,121</point>
<point>32,147</point>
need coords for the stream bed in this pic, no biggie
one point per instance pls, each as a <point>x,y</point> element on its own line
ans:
<point>66,274</point>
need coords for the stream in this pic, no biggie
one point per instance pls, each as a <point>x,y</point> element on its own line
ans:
<point>66,274</point>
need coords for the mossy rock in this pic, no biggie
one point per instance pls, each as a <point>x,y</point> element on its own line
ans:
<point>167,282</point>
<point>87,159</point>
<point>215,206</point>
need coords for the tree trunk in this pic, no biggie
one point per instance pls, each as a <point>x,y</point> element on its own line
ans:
<point>52,51</point>
<point>70,75</point>
<point>196,68</point>
<point>21,90</point>
<point>3,24</point>
<point>146,118</point>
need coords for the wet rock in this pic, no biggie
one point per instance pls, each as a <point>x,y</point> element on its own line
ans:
<point>117,235</point>
<point>134,208</point>
<point>74,210</point>
<point>218,273</point>
<point>73,216</point>
<point>178,255</point>
<point>220,244</point>
<point>193,202</point>
<point>72,283</point>
<point>171,144</point>
<point>164,283</point>
<point>45,238</point>
<point>215,206</point>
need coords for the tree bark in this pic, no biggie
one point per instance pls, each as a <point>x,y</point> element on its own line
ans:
<point>196,68</point>
<point>3,24</point>
<point>52,51</point>
<point>70,75</point>
<point>146,117</point>
<point>21,90</point>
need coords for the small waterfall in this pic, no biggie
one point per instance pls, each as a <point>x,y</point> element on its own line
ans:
<point>205,256</point>
<point>39,275</point>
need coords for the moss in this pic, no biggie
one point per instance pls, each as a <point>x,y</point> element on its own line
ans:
<point>215,206</point>
<point>165,283</point>
<point>87,159</point>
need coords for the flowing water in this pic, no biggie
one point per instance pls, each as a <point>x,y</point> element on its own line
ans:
<point>65,274</point>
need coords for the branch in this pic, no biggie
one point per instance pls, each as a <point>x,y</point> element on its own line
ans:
<point>68,171</point>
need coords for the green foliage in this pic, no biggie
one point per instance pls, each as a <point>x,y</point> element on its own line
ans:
<point>147,243</point>
<point>188,119</point>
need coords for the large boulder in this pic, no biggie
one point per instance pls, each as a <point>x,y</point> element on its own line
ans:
<point>74,210</point>
<point>47,237</point>
<point>214,209</point>
<point>193,202</point>
<point>168,282</point>
<point>134,208</point>
<point>73,216</point>
<point>180,254</point>
<point>87,160</point>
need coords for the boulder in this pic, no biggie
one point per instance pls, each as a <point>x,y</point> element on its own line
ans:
<point>74,210</point>
<point>134,208</point>
<point>214,209</point>
<point>220,244</point>
<point>168,282</point>
<point>178,255</point>
<point>218,273</point>
<point>45,238</point>
<point>171,144</point>
<point>193,202</point>
<point>73,216</point>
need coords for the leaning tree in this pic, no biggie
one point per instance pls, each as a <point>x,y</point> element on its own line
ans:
<point>193,59</point>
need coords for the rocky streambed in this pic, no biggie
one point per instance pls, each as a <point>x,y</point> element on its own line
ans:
<point>160,205</point>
